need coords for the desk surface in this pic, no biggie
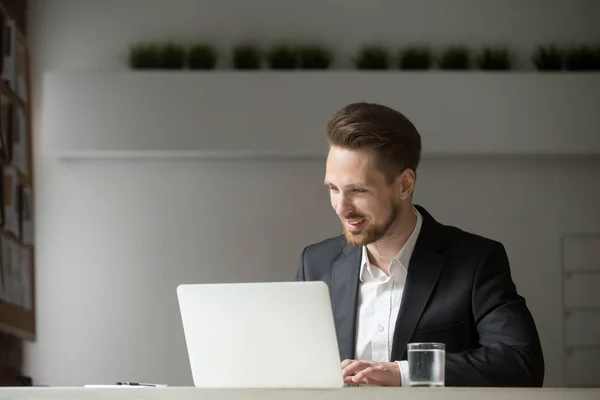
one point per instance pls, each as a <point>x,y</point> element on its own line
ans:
<point>373,393</point>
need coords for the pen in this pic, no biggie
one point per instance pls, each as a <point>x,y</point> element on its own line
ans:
<point>142,384</point>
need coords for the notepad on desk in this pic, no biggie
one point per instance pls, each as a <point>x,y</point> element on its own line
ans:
<point>129,385</point>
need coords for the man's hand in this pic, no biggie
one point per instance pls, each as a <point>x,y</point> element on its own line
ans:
<point>371,373</point>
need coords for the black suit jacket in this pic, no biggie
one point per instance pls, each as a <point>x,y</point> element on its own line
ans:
<point>458,291</point>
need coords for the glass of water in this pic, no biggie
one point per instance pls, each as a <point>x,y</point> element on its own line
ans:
<point>426,364</point>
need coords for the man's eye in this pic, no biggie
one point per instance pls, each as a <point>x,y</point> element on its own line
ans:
<point>358,190</point>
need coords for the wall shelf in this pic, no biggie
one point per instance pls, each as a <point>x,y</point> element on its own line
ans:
<point>571,309</point>
<point>581,310</point>
<point>583,347</point>
<point>283,114</point>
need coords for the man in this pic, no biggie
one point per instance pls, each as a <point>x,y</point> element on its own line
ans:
<point>398,276</point>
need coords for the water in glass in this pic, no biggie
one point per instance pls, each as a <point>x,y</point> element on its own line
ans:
<point>426,364</point>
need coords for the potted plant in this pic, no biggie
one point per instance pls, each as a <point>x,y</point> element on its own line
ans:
<point>144,56</point>
<point>455,57</point>
<point>314,57</point>
<point>172,56</point>
<point>202,56</point>
<point>372,57</point>
<point>582,58</point>
<point>548,58</point>
<point>246,56</point>
<point>282,56</point>
<point>415,58</point>
<point>495,58</point>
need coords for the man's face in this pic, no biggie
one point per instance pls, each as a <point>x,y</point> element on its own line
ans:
<point>361,196</point>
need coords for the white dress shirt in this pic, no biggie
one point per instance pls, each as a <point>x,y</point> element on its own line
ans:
<point>379,304</point>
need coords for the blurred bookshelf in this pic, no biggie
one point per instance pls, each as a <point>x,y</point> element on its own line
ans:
<point>17,271</point>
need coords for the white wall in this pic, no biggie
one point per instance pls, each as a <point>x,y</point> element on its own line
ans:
<point>94,35</point>
<point>115,238</point>
<point>246,112</point>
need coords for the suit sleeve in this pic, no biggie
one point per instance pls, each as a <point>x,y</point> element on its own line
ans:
<point>510,352</point>
<point>300,271</point>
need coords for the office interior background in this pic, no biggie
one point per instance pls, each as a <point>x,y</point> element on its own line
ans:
<point>512,155</point>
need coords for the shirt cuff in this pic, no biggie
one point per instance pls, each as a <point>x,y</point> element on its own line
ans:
<point>403,371</point>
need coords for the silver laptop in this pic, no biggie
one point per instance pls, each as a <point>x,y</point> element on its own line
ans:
<point>260,335</point>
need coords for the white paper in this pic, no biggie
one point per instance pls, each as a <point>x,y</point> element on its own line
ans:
<point>4,123</point>
<point>115,387</point>
<point>27,217</point>
<point>2,284</point>
<point>11,216</point>
<point>21,71</point>
<point>12,276</point>
<point>20,141</point>
<point>25,278</point>
<point>8,48</point>
<point>15,274</point>
<point>7,268</point>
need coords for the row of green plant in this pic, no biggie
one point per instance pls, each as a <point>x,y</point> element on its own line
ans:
<point>246,56</point>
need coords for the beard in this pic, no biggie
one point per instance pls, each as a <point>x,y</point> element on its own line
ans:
<point>372,232</point>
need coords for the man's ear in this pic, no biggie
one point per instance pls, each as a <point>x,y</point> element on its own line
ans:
<point>407,183</point>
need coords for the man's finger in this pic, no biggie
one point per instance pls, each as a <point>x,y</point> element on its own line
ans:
<point>347,362</point>
<point>365,381</point>
<point>379,375</point>
<point>372,381</point>
<point>354,367</point>
<point>368,372</point>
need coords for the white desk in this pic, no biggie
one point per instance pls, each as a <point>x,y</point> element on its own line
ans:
<point>190,393</point>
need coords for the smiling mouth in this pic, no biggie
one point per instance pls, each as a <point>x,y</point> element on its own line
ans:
<point>354,224</point>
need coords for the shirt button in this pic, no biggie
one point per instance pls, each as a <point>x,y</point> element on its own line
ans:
<point>380,328</point>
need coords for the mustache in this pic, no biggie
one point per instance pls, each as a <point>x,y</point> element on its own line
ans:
<point>353,216</point>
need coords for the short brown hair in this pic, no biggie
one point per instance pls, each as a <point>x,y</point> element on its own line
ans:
<point>394,140</point>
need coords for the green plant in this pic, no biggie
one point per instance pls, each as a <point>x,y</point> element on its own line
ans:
<point>415,57</point>
<point>582,58</point>
<point>497,58</point>
<point>372,57</point>
<point>144,56</point>
<point>172,56</point>
<point>548,58</point>
<point>202,56</point>
<point>455,57</point>
<point>246,56</point>
<point>314,57</point>
<point>282,56</point>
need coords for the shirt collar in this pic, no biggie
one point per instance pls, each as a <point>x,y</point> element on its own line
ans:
<point>405,253</point>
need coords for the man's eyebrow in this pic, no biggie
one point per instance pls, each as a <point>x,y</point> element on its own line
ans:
<point>349,186</point>
<point>356,185</point>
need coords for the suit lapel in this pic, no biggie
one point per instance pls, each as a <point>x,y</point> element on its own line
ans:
<point>424,269</point>
<point>344,299</point>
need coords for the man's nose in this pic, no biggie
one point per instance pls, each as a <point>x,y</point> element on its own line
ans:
<point>343,206</point>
